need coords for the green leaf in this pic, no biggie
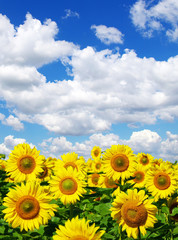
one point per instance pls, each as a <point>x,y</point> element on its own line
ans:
<point>2,229</point>
<point>174,211</point>
<point>165,209</point>
<point>175,231</point>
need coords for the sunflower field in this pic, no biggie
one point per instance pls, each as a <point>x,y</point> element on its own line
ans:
<point>114,195</point>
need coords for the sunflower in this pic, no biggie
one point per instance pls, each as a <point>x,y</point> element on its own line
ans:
<point>96,152</point>
<point>96,165</point>
<point>161,181</point>
<point>28,206</point>
<point>139,174</point>
<point>47,167</point>
<point>72,160</point>
<point>109,182</point>
<point>24,163</point>
<point>68,185</point>
<point>145,160</point>
<point>134,211</point>
<point>118,162</point>
<point>78,229</point>
<point>3,164</point>
<point>95,180</point>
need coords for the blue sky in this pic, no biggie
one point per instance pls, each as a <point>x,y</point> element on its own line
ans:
<point>75,74</point>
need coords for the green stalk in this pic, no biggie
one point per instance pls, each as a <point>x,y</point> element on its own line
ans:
<point>71,211</point>
<point>139,234</point>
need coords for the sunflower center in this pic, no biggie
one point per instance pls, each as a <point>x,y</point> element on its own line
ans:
<point>144,160</point>
<point>98,165</point>
<point>79,237</point>
<point>133,215</point>
<point>68,186</point>
<point>70,164</point>
<point>110,183</point>
<point>44,173</point>
<point>162,181</point>
<point>27,207</point>
<point>95,178</point>
<point>120,162</point>
<point>26,164</point>
<point>139,176</point>
<point>96,153</point>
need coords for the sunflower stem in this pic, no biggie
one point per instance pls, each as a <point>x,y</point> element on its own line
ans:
<point>139,234</point>
<point>120,235</point>
<point>71,211</point>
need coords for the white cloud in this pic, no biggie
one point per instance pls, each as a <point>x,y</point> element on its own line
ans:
<point>9,143</point>
<point>146,141</point>
<point>70,13</point>
<point>141,141</point>
<point>105,87</point>
<point>32,43</point>
<point>108,35</point>
<point>162,16</point>
<point>12,121</point>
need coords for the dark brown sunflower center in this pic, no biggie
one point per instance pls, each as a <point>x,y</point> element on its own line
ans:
<point>120,162</point>
<point>26,164</point>
<point>139,176</point>
<point>162,181</point>
<point>133,215</point>
<point>95,178</point>
<point>68,186</point>
<point>144,160</point>
<point>27,207</point>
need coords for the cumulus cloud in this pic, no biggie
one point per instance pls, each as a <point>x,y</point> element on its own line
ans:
<point>146,141</point>
<point>108,35</point>
<point>162,16</point>
<point>9,143</point>
<point>12,121</point>
<point>104,86</point>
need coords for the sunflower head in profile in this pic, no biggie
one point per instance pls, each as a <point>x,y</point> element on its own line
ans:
<point>118,162</point>
<point>47,167</point>
<point>96,152</point>
<point>133,211</point>
<point>24,163</point>
<point>28,206</point>
<point>2,164</point>
<point>78,229</point>
<point>161,181</point>
<point>67,185</point>
<point>71,160</point>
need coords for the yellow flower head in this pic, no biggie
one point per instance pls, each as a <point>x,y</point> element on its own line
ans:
<point>161,181</point>
<point>78,229</point>
<point>118,162</point>
<point>132,210</point>
<point>47,167</point>
<point>95,180</point>
<point>28,206</point>
<point>140,176</point>
<point>96,152</point>
<point>71,160</point>
<point>145,160</point>
<point>68,185</point>
<point>24,163</point>
<point>3,164</point>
